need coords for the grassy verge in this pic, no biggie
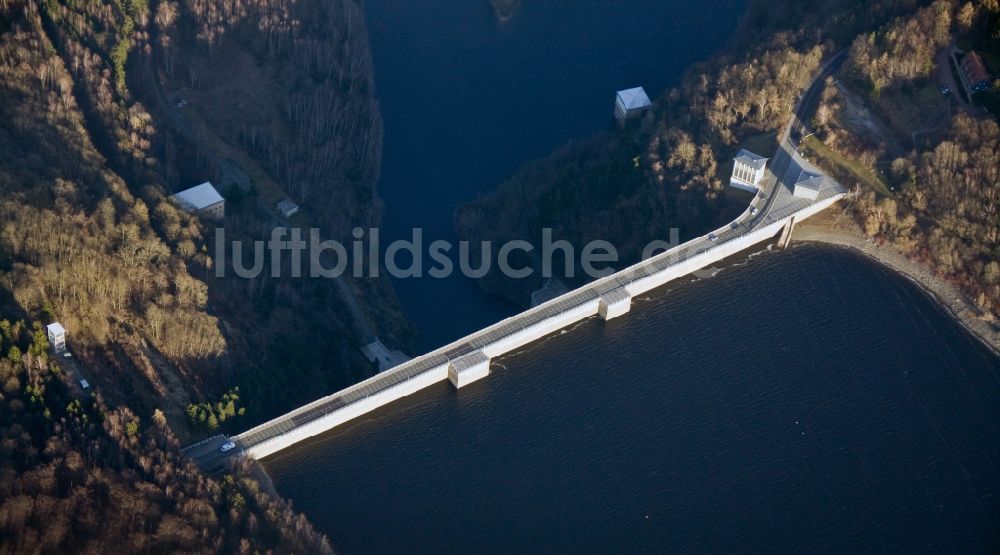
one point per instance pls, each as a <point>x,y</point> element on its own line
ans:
<point>912,107</point>
<point>843,166</point>
<point>765,144</point>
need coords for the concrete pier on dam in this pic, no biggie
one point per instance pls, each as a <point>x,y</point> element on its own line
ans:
<point>787,189</point>
<point>468,359</point>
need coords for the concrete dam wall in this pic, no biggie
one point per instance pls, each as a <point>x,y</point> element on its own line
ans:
<point>468,359</point>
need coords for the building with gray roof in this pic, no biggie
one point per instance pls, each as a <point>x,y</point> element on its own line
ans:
<point>202,200</point>
<point>808,185</point>
<point>630,103</point>
<point>748,171</point>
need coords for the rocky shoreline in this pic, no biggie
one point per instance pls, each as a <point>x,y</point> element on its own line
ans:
<point>837,228</point>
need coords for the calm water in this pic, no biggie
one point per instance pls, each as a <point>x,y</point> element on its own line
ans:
<point>466,102</point>
<point>803,401</point>
<point>799,401</point>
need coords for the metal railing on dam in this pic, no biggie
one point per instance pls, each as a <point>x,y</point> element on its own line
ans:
<point>444,355</point>
<point>477,349</point>
<point>468,359</point>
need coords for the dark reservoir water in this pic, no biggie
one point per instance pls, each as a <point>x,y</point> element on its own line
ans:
<point>803,401</point>
<point>466,101</point>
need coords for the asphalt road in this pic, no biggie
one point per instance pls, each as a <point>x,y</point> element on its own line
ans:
<point>777,179</point>
<point>209,457</point>
<point>231,172</point>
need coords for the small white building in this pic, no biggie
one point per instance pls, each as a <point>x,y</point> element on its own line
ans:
<point>288,208</point>
<point>202,200</point>
<point>748,171</point>
<point>378,354</point>
<point>630,103</point>
<point>808,185</point>
<point>57,336</point>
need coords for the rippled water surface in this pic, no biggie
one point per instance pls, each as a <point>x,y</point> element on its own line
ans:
<point>806,400</point>
<point>467,101</point>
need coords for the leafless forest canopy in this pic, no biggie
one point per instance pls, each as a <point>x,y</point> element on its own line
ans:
<point>89,153</point>
<point>634,186</point>
<point>89,238</point>
<point>947,193</point>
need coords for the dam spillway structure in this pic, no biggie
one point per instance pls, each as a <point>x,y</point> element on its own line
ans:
<point>467,360</point>
<point>774,209</point>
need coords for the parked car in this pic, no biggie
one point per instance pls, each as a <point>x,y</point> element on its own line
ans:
<point>754,211</point>
<point>713,237</point>
<point>228,446</point>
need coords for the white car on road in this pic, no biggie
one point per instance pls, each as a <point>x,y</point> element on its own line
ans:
<point>226,447</point>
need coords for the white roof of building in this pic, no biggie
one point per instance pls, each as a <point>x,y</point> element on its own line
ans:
<point>199,196</point>
<point>55,328</point>
<point>809,181</point>
<point>753,160</point>
<point>634,99</point>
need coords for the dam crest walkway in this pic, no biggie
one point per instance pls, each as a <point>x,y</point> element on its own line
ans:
<point>775,209</point>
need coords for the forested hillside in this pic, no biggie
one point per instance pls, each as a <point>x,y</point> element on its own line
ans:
<point>89,152</point>
<point>102,473</point>
<point>292,83</point>
<point>283,91</point>
<point>668,170</point>
<point>902,50</point>
<point>77,244</point>
<point>80,476</point>
<point>943,207</point>
<point>279,94</point>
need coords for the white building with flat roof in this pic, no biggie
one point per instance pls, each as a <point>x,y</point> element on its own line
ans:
<point>808,185</point>
<point>57,336</point>
<point>202,200</point>
<point>630,103</point>
<point>748,171</point>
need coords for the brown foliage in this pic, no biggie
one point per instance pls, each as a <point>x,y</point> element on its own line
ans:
<point>74,236</point>
<point>951,191</point>
<point>321,136</point>
<point>633,187</point>
<point>903,50</point>
<point>80,476</point>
